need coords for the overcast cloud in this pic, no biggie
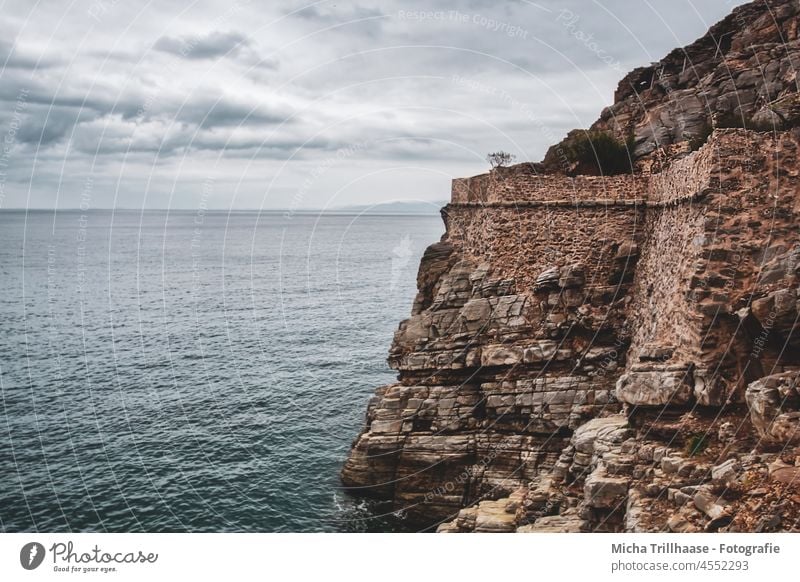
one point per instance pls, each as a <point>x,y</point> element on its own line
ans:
<point>293,105</point>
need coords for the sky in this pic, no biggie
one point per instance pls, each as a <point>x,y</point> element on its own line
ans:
<point>294,105</point>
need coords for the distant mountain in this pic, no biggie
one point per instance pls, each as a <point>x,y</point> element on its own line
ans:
<point>423,208</point>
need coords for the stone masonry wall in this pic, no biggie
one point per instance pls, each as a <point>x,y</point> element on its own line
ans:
<point>685,179</point>
<point>700,268</point>
<point>521,243</point>
<point>520,185</point>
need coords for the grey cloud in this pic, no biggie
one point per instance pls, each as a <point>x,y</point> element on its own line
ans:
<point>44,126</point>
<point>43,91</point>
<point>12,57</point>
<point>210,46</point>
<point>49,117</point>
<point>187,140</point>
<point>331,14</point>
<point>225,111</point>
<point>358,23</point>
<point>280,149</point>
<point>215,45</point>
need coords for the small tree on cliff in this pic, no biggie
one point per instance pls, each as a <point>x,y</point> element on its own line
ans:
<point>500,159</point>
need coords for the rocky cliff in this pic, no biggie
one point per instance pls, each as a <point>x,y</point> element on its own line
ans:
<point>741,73</point>
<point>614,353</point>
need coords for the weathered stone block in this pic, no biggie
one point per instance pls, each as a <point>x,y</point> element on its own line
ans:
<point>606,492</point>
<point>726,473</point>
<point>500,355</point>
<point>541,351</point>
<point>774,404</point>
<point>572,276</point>
<point>386,426</point>
<point>655,388</point>
<point>547,278</point>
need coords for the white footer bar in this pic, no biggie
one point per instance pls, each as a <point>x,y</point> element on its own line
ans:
<point>400,557</point>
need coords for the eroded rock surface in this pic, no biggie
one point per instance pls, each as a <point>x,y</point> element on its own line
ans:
<point>774,403</point>
<point>741,73</point>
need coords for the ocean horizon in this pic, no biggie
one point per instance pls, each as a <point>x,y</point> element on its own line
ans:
<point>384,209</point>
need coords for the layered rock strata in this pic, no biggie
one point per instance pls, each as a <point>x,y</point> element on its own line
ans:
<point>741,73</point>
<point>595,353</point>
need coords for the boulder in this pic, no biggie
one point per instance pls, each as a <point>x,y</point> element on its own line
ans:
<point>710,504</point>
<point>602,491</point>
<point>672,465</point>
<point>572,276</point>
<point>784,473</point>
<point>774,404</point>
<point>726,473</point>
<point>547,279</point>
<point>598,433</point>
<point>555,524</point>
<point>655,387</point>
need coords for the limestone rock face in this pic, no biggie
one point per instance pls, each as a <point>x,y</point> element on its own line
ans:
<point>493,380</point>
<point>554,524</point>
<point>596,353</point>
<point>741,73</point>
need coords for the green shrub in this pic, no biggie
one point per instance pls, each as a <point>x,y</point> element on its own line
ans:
<point>500,159</point>
<point>729,120</point>
<point>696,444</point>
<point>600,151</point>
<point>736,121</point>
<point>697,141</point>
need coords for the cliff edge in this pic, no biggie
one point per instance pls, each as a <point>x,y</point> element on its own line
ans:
<point>614,353</point>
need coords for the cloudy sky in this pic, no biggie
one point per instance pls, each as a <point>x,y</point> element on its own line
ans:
<point>245,104</point>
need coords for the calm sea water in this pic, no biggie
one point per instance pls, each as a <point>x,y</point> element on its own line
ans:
<point>176,371</point>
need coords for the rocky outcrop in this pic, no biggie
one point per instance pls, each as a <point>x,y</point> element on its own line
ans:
<point>620,479</point>
<point>741,73</point>
<point>590,353</point>
<point>774,403</point>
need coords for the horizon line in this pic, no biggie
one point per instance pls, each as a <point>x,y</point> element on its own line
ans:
<point>341,210</point>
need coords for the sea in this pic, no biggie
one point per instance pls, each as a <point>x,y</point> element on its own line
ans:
<point>195,371</point>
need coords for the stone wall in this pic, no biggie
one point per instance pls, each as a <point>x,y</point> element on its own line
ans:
<point>521,243</point>
<point>688,178</point>
<point>714,220</point>
<point>667,332</point>
<point>520,185</point>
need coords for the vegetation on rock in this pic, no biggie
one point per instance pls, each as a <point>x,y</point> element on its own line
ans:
<point>500,159</point>
<point>598,152</point>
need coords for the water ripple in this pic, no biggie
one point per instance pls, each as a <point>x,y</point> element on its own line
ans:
<point>154,379</point>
